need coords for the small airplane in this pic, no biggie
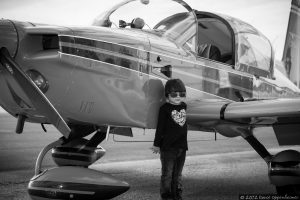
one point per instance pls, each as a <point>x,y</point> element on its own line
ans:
<point>109,77</point>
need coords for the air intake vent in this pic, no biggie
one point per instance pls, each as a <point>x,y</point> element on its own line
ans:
<point>50,42</point>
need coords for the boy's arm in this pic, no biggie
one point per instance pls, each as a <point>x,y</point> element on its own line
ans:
<point>159,128</point>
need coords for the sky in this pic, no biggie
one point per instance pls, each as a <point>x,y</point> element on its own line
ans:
<point>269,16</point>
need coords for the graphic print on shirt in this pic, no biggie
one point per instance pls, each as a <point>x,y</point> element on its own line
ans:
<point>179,117</point>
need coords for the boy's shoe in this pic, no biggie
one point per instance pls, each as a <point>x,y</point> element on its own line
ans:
<point>166,196</point>
<point>178,195</point>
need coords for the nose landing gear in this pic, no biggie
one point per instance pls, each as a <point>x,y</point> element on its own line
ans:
<point>73,179</point>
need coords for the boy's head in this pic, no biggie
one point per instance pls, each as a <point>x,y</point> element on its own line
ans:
<point>175,89</point>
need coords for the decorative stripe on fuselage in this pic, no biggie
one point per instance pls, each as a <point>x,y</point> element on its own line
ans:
<point>101,51</point>
<point>100,45</point>
<point>134,58</point>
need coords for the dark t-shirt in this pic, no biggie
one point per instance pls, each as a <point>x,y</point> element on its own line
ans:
<point>171,130</point>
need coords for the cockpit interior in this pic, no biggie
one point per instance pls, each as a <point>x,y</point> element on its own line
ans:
<point>215,39</point>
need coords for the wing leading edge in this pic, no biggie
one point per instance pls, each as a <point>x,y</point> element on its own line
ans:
<point>282,114</point>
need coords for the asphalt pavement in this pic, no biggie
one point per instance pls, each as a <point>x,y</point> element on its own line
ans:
<point>221,169</point>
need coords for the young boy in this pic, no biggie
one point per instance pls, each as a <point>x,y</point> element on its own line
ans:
<point>171,139</point>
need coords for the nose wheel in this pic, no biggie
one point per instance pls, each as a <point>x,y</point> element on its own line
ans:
<point>284,172</point>
<point>284,167</point>
<point>288,190</point>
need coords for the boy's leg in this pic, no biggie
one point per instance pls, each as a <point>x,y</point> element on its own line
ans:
<point>177,175</point>
<point>167,164</point>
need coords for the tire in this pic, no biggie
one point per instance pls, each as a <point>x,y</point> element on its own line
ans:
<point>288,190</point>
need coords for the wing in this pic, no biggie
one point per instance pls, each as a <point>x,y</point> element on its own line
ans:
<point>225,117</point>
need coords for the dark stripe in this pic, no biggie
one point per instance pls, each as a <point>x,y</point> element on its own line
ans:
<point>108,46</point>
<point>254,70</point>
<point>285,172</point>
<point>85,158</point>
<point>67,39</point>
<point>111,59</point>
<point>68,50</point>
<point>222,111</point>
<point>129,51</point>
<point>72,150</point>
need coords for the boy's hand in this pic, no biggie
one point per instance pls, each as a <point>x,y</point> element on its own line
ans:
<point>155,149</point>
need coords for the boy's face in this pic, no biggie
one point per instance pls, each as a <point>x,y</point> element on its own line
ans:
<point>176,97</point>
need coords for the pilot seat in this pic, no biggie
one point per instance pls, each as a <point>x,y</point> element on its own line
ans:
<point>209,51</point>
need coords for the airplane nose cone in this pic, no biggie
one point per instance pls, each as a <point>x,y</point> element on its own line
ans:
<point>75,183</point>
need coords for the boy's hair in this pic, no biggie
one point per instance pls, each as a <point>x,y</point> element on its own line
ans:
<point>174,85</point>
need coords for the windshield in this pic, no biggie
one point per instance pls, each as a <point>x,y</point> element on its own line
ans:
<point>179,27</point>
<point>173,19</point>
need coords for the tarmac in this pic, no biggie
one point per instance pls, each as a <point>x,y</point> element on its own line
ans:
<point>214,170</point>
